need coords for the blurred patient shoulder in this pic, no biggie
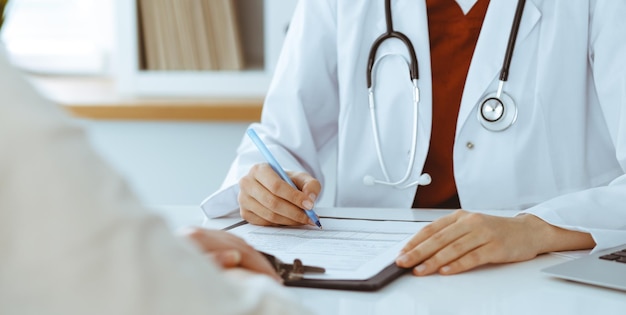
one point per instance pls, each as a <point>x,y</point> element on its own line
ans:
<point>75,240</point>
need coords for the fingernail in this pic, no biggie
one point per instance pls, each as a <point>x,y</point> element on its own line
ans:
<point>402,260</point>
<point>312,196</point>
<point>445,269</point>
<point>420,269</point>
<point>234,256</point>
<point>307,205</point>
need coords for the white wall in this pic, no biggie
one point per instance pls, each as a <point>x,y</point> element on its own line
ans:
<point>174,163</point>
<point>168,162</point>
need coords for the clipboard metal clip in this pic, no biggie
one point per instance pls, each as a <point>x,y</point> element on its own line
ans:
<point>294,271</point>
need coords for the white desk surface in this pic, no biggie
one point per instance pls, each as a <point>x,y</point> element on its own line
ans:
<point>518,288</point>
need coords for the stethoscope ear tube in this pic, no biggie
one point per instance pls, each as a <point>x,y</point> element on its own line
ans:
<point>390,33</point>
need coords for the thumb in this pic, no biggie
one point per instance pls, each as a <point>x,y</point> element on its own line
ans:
<point>307,184</point>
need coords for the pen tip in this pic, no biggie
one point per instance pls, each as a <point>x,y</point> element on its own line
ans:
<point>319,224</point>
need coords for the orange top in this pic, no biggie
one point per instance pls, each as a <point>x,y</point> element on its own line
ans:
<point>453,37</point>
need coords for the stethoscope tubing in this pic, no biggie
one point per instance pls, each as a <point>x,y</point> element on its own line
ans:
<point>390,33</point>
<point>493,125</point>
<point>510,47</point>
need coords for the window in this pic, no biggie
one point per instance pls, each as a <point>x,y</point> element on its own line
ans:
<point>60,36</point>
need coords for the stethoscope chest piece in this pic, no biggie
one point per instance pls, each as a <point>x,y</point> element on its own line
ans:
<point>497,113</point>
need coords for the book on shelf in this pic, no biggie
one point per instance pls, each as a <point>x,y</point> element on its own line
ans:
<point>189,35</point>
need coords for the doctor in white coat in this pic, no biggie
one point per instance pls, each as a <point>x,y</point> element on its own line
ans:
<point>562,161</point>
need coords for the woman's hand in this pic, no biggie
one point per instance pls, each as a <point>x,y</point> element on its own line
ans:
<point>230,251</point>
<point>265,199</point>
<point>464,240</point>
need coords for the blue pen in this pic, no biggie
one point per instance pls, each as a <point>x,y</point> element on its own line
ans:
<point>278,169</point>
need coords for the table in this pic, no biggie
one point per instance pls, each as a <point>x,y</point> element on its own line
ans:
<point>517,288</point>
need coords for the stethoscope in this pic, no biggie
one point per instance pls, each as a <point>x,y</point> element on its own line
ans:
<point>496,112</point>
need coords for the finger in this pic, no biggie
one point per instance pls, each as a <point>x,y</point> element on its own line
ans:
<point>472,259</point>
<point>431,229</point>
<point>451,252</point>
<point>268,178</point>
<point>255,261</point>
<point>220,241</point>
<point>252,218</point>
<point>250,191</point>
<point>213,240</point>
<point>272,219</point>
<point>256,213</point>
<point>227,259</point>
<point>247,204</point>
<point>310,186</point>
<point>276,195</point>
<point>431,246</point>
<point>436,237</point>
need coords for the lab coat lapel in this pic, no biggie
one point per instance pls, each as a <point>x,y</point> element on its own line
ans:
<point>490,49</point>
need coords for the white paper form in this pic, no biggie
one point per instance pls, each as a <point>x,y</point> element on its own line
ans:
<point>348,249</point>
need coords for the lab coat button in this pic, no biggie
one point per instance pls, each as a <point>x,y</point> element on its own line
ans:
<point>469,145</point>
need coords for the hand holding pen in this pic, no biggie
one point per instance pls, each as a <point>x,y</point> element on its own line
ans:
<point>270,196</point>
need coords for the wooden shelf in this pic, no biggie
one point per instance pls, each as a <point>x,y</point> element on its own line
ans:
<point>95,98</point>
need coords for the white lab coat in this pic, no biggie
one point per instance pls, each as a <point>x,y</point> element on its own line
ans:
<point>563,160</point>
<point>74,239</point>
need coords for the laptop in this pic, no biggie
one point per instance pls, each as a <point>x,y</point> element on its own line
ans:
<point>606,268</point>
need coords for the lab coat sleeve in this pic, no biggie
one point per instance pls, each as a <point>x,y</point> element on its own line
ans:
<point>301,109</point>
<point>75,240</point>
<point>601,211</point>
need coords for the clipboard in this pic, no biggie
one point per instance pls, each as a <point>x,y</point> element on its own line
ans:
<point>374,283</point>
<point>384,277</point>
